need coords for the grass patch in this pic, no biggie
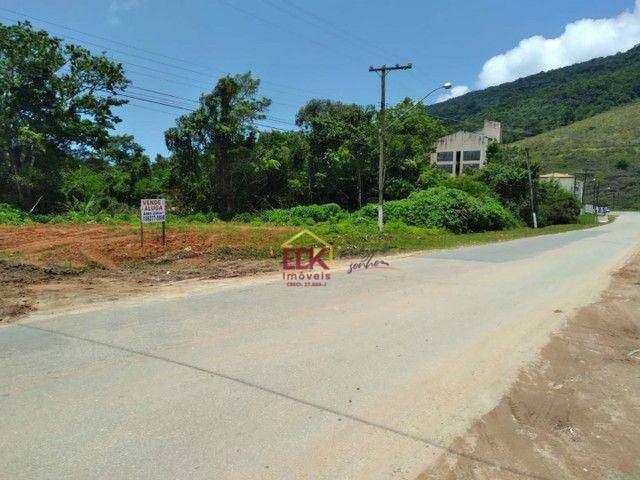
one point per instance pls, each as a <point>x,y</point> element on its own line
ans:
<point>356,239</point>
<point>360,240</point>
<point>588,219</point>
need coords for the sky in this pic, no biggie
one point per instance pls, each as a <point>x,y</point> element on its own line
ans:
<point>174,51</point>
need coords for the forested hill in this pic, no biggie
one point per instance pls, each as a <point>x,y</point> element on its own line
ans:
<point>549,100</point>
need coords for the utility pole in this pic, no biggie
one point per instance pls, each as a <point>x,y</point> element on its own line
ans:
<point>383,85</point>
<point>534,219</point>
<point>597,185</point>
<point>584,187</point>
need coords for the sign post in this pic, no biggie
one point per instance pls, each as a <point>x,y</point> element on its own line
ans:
<point>152,210</point>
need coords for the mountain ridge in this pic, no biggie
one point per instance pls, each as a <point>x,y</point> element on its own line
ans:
<point>547,100</point>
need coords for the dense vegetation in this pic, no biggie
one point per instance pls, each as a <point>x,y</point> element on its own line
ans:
<point>494,198</point>
<point>605,147</point>
<point>61,160</point>
<point>549,100</point>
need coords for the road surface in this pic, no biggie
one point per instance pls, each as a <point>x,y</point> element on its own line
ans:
<point>369,377</point>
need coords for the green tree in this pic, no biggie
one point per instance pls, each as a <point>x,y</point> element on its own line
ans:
<point>340,139</point>
<point>556,205</point>
<point>277,172</point>
<point>56,104</point>
<point>410,139</point>
<point>506,175</point>
<point>210,144</point>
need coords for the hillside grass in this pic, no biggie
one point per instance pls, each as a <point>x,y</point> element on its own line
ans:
<point>607,145</point>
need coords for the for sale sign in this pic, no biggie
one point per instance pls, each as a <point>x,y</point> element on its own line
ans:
<point>152,210</point>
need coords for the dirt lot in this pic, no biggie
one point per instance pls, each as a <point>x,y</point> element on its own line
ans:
<point>575,413</point>
<point>51,266</point>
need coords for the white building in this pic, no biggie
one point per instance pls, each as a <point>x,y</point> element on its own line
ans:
<point>466,150</point>
<point>568,182</point>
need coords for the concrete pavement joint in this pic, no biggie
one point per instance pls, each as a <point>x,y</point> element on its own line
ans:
<point>286,396</point>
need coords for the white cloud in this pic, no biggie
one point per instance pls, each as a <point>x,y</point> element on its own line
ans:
<point>118,7</point>
<point>581,40</point>
<point>453,93</point>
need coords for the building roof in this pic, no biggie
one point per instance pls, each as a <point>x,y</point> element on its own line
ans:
<point>556,175</point>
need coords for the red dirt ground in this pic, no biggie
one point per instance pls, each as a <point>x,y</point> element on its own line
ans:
<point>113,246</point>
<point>51,266</point>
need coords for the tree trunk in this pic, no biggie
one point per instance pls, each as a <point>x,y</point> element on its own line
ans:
<point>359,174</point>
<point>224,184</point>
<point>14,160</point>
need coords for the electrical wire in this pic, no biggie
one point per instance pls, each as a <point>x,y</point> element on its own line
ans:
<point>149,52</point>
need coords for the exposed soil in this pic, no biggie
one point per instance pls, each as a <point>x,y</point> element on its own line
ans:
<point>113,246</point>
<point>575,413</point>
<point>53,266</point>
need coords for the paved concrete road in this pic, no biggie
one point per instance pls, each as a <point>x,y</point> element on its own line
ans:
<point>369,377</point>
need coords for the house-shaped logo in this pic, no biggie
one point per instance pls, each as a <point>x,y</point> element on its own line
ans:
<point>317,252</point>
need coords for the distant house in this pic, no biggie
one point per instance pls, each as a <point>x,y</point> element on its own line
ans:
<point>568,182</point>
<point>466,150</point>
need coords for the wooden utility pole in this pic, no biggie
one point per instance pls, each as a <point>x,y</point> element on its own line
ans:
<point>383,85</point>
<point>584,187</point>
<point>534,219</point>
<point>597,195</point>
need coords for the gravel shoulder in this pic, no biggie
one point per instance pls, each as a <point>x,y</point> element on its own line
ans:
<point>573,413</point>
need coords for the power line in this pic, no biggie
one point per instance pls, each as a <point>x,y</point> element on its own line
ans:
<point>149,52</point>
<point>135,72</point>
<point>201,84</point>
<point>136,105</point>
<point>343,32</point>
<point>179,107</point>
<point>251,15</point>
<point>157,92</point>
<point>362,44</point>
<point>98,37</point>
<point>311,22</point>
<point>142,99</point>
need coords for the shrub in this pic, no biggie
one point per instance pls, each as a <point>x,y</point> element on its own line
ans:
<point>468,184</point>
<point>432,176</point>
<point>622,164</point>
<point>244,217</point>
<point>443,207</point>
<point>298,215</point>
<point>12,216</point>
<point>588,219</point>
<point>556,205</point>
<point>398,188</point>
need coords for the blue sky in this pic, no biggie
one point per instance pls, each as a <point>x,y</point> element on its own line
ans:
<point>314,48</point>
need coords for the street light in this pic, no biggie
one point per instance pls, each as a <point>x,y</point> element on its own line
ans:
<point>444,86</point>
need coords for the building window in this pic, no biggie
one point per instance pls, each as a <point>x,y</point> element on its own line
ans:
<point>447,168</point>
<point>445,157</point>
<point>472,155</point>
<point>471,166</point>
